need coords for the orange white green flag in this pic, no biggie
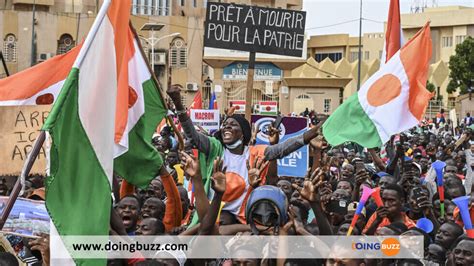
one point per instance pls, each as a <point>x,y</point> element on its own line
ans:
<point>102,122</point>
<point>393,36</point>
<point>40,84</point>
<point>391,101</point>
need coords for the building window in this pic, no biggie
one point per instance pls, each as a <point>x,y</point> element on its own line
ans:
<point>460,39</point>
<point>303,96</point>
<point>204,3</point>
<point>366,55</point>
<point>333,56</point>
<point>135,7</point>
<point>327,105</point>
<point>178,53</point>
<point>194,3</point>
<point>380,54</point>
<point>151,7</point>
<point>183,3</point>
<point>447,41</point>
<point>146,7</point>
<point>65,43</point>
<point>9,48</point>
<point>353,56</point>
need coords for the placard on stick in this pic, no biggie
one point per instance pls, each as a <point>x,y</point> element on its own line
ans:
<point>19,127</point>
<point>255,29</point>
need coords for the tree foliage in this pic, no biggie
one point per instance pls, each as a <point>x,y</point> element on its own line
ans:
<point>430,86</point>
<point>461,66</point>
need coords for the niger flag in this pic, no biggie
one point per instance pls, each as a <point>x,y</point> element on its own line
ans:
<point>393,100</point>
<point>102,122</point>
<point>39,84</point>
<point>393,36</point>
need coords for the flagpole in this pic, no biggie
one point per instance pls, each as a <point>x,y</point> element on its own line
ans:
<point>158,85</point>
<point>24,173</point>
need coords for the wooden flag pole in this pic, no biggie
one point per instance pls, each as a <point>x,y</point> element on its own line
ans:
<point>24,173</point>
<point>248,94</point>
<point>160,89</point>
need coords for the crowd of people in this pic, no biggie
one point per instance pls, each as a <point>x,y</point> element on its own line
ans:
<point>227,168</point>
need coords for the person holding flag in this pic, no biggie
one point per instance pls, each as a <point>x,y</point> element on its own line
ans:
<point>104,116</point>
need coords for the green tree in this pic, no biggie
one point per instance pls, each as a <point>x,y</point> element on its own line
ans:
<point>461,66</point>
<point>430,86</point>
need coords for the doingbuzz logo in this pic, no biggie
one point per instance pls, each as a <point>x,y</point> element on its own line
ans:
<point>262,126</point>
<point>389,247</point>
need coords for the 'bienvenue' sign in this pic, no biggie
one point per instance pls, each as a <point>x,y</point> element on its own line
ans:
<point>255,29</point>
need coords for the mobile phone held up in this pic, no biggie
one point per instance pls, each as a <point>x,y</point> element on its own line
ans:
<point>338,206</point>
<point>276,124</point>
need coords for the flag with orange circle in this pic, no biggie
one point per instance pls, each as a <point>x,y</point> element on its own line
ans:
<point>391,101</point>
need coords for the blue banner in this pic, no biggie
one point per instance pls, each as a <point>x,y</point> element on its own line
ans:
<point>263,71</point>
<point>296,163</point>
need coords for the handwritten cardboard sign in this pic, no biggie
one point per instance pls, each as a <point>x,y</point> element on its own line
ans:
<point>254,29</point>
<point>19,128</point>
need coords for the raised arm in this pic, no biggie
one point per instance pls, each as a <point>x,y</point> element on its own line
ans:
<point>281,150</point>
<point>173,211</point>
<point>201,141</point>
<point>191,168</point>
<point>310,192</point>
<point>272,174</point>
<point>377,161</point>
<point>208,222</point>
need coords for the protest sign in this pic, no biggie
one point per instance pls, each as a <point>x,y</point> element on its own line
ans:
<point>296,163</point>
<point>207,119</point>
<point>255,29</point>
<point>20,125</point>
<point>27,218</point>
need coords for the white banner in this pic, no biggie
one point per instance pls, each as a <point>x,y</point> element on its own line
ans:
<point>182,248</point>
<point>207,119</point>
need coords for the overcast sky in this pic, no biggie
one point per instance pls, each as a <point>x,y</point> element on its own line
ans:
<point>323,14</point>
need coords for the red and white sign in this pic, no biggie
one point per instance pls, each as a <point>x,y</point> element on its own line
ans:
<point>207,119</point>
<point>268,107</point>
<point>240,106</point>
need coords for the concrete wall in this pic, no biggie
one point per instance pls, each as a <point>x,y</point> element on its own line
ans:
<point>466,106</point>
<point>317,95</point>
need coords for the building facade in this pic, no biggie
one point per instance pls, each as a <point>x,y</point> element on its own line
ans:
<point>320,79</point>
<point>337,54</point>
<point>177,45</point>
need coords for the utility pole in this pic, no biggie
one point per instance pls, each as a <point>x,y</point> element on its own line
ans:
<point>33,36</point>
<point>360,47</point>
<point>78,25</point>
